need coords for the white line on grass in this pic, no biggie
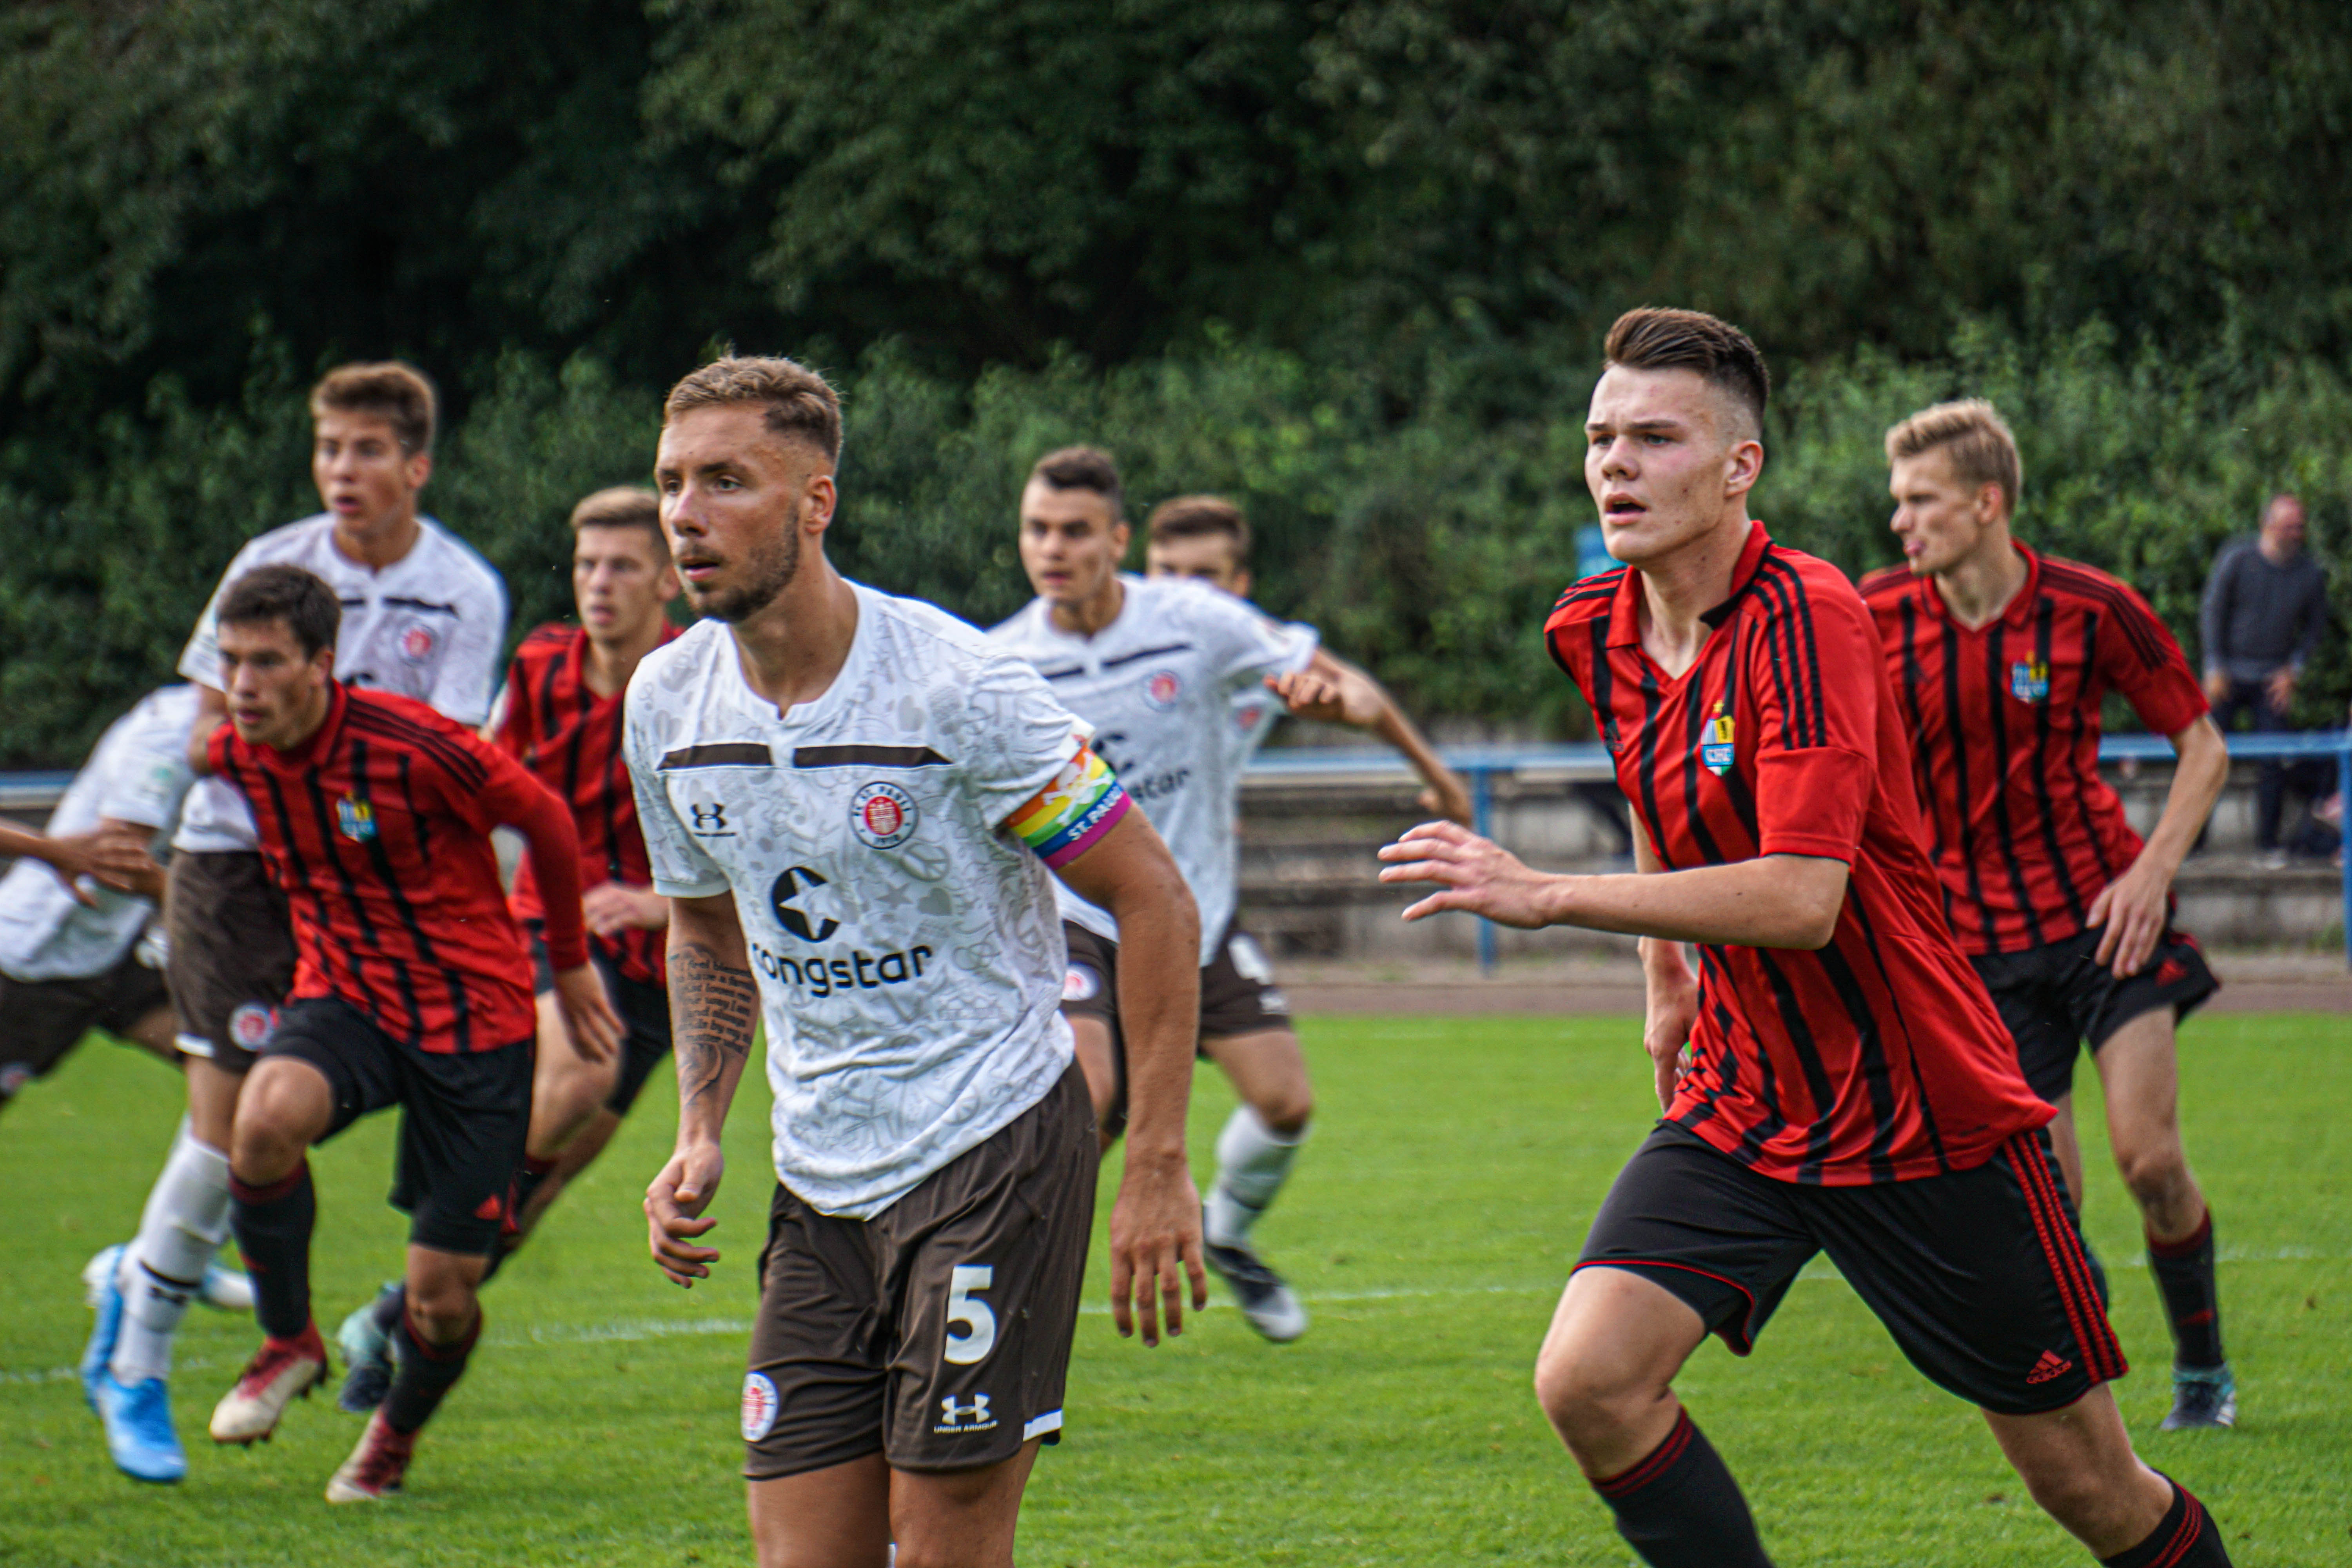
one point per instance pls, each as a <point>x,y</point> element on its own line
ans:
<point>626,1330</point>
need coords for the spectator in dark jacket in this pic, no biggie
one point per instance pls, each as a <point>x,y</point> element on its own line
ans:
<point>2265,608</point>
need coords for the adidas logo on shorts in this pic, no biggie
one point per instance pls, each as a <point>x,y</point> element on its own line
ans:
<point>2052,1364</point>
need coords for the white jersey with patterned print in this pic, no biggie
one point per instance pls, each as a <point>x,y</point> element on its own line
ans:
<point>1159,686</point>
<point>139,772</point>
<point>901,927</point>
<point>430,626</point>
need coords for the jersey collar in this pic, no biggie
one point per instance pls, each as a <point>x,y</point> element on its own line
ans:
<point>2020,609</point>
<point>1625,609</point>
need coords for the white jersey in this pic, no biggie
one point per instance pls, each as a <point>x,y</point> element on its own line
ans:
<point>1256,711</point>
<point>909,955</point>
<point>430,626</point>
<point>138,773</point>
<point>1159,686</point>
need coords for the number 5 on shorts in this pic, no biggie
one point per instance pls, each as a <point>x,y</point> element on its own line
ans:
<point>978,1322</point>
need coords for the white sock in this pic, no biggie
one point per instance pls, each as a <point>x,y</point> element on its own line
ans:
<point>186,1221</point>
<point>1253,1161</point>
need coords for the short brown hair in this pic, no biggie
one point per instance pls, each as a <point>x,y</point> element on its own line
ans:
<point>395,392</point>
<point>1201,517</point>
<point>800,403</point>
<point>1653,337</point>
<point>1976,437</point>
<point>282,591</point>
<point>1084,469</point>
<point>623,506</point>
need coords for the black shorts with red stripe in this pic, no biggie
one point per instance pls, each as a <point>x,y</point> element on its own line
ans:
<point>1980,1275</point>
<point>2058,997</point>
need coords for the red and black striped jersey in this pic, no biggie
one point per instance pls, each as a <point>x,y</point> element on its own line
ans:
<point>2004,721</point>
<point>1880,1056</point>
<point>378,830</point>
<point>561,730</point>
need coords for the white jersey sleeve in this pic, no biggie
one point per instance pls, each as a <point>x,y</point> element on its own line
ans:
<point>1249,648</point>
<point>200,660</point>
<point>467,676</point>
<point>1015,736</point>
<point>149,776</point>
<point>681,868</point>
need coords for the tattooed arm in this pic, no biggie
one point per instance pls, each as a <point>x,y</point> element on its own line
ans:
<point>714,1005</point>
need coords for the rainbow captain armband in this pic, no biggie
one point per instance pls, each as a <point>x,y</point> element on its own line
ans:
<point>1069,816</point>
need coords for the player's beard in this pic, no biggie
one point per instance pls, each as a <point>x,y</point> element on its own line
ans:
<point>769,572</point>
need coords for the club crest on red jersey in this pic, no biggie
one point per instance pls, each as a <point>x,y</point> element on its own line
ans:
<point>356,817</point>
<point>1161,688</point>
<point>1715,750</point>
<point>883,816</point>
<point>2029,680</point>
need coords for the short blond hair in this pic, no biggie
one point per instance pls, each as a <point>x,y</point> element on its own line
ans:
<point>799,402</point>
<point>624,506</point>
<point>1977,438</point>
<point>391,390</point>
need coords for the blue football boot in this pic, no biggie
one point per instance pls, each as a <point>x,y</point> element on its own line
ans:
<point>139,1433</point>
<point>106,1295</point>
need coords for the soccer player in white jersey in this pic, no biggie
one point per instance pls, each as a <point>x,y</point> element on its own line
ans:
<point>424,616</point>
<point>852,802</point>
<point>1156,666</point>
<point>70,956</point>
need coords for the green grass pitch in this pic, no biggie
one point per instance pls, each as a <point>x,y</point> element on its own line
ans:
<point>1456,1164</point>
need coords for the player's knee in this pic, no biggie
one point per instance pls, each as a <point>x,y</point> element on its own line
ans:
<point>1286,1111</point>
<point>270,1132</point>
<point>2153,1169</point>
<point>2067,1491</point>
<point>442,1307</point>
<point>1584,1396</point>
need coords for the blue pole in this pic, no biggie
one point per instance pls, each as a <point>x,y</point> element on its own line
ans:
<point>1482,822</point>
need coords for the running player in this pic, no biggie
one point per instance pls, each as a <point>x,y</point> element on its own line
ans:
<point>2002,658</point>
<point>1850,1087</point>
<point>424,616</point>
<point>1206,538</point>
<point>559,714</point>
<point>412,988</point>
<point>850,796</point>
<point>75,908</point>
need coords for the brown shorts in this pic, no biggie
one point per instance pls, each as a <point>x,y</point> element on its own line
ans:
<point>232,959</point>
<point>938,1332</point>
<point>1238,996</point>
<point>41,1020</point>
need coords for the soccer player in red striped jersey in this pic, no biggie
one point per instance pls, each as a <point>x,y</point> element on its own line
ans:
<point>2001,660</point>
<point>1849,1089</point>
<point>412,987</point>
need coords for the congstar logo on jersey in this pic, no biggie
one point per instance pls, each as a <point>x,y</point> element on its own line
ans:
<point>806,906</point>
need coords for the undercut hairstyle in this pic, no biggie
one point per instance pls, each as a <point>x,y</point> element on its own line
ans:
<point>284,592</point>
<point>1201,517</point>
<point>391,390</point>
<point>624,506</point>
<point>1653,338</point>
<point>1974,436</point>
<point>1084,469</point>
<point>801,404</point>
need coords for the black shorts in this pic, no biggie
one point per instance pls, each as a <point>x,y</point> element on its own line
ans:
<point>41,1020</point>
<point>1238,996</point>
<point>1980,1275</point>
<point>232,955</point>
<point>2055,997</point>
<point>464,1117</point>
<point>938,1332</point>
<point>643,1010</point>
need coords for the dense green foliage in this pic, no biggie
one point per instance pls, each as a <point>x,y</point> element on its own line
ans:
<point>1455,1166</point>
<point>1349,259</point>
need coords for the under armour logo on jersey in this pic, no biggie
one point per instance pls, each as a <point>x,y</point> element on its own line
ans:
<point>965,1415</point>
<point>800,908</point>
<point>710,819</point>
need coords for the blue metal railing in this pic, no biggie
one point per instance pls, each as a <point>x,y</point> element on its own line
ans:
<point>1481,765</point>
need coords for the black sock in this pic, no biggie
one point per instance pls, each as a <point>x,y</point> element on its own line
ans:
<point>273,1230</point>
<point>1680,1508</point>
<point>2188,1538</point>
<point>2184,1273</point>
<point>426,1372</point>
<point>390,1307</point>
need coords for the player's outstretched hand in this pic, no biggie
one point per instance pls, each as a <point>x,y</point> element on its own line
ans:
<point>1667,1022</point>
<point>1155,1246</point>
<point>588,1014</point>
<point>119,859</point>
<point>2129,914</point>
<point>1307,695</point>
<point>72,856</point>
<point>674,1206</point>
<point>1473,873</point>
<point>612,908</point>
